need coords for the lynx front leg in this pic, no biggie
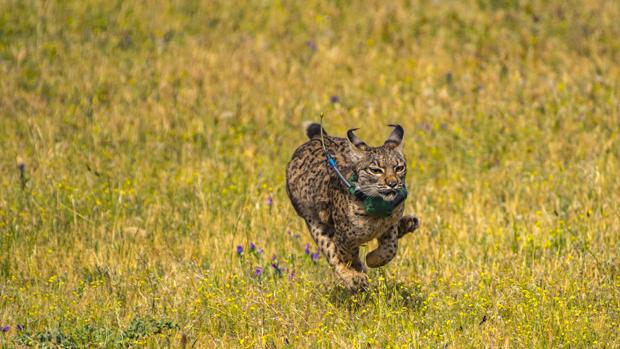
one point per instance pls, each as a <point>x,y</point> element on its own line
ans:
<point>343,261</point>
<point>386,250</point>
<point>407,224</point>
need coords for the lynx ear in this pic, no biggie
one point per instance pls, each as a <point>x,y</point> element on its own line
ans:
<point>356,145</point>
<point>396,137</point>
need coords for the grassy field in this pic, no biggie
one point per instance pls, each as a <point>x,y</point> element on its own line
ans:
<point>142,142</point>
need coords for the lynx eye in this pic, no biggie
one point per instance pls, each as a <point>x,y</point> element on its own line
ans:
<point>375,170</point>
<point>399,168</point>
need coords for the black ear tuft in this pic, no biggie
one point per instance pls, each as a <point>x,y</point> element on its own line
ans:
<point>396,137</point>
<point>358,143</point>
<point>314,130</point>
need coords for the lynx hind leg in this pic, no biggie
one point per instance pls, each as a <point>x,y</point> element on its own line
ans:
<point>386,251</point>
<point>407,224</point>
<point>343,262</point>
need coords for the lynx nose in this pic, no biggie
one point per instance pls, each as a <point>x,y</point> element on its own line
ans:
<point>391,182</point>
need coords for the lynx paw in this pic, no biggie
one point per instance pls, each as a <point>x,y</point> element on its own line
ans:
<point>358,282</point>
<point>407,224</point>
<point>354,280</point>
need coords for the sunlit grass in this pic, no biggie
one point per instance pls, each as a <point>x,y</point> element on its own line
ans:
<point>142,143</point>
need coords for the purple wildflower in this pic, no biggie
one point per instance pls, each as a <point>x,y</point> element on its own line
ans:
<point>252,246</point>
<point>291,276</point>
<point>5,329</point>
<point>276,268</point>
<point>259,271</point>
<point>20,327</point>
<point>307,249</point>
<point>239,250</point>
<point>311,45</point>
<point>315,256</point>
<point>286,341</point>
<point>260,251</point>
<point>21,166</point>
<point>269,200</point>
<point>334,99</point>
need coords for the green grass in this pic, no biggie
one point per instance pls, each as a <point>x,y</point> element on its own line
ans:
<point>151,136</point>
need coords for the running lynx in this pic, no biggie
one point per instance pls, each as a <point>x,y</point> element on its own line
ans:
<point>338,220</point>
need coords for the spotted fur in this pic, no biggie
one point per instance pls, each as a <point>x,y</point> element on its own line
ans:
<point>336,220</point>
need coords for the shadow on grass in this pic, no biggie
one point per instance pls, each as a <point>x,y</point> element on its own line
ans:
<point>393,293</point>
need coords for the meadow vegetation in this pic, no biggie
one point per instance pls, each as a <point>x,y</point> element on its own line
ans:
<point>142,156</point>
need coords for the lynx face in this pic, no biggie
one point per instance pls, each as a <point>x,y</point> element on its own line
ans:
<point>381,171</point>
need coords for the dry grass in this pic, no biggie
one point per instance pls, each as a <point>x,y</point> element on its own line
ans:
<point>151,137</point>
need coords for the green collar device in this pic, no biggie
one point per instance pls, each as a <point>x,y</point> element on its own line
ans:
<point>376,205</point>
